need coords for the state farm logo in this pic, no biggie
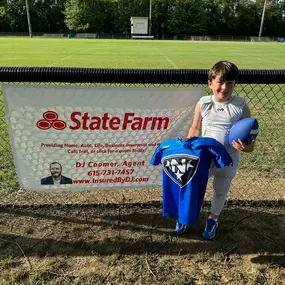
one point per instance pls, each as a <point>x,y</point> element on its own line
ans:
<point>50,120</point>
<point>106,122</point>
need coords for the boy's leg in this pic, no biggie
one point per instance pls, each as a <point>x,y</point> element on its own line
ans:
<point>221,184</point>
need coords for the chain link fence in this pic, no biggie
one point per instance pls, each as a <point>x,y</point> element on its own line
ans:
<point>261,177</point>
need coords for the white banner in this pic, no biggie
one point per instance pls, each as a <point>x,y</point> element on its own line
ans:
<point>75,138</point>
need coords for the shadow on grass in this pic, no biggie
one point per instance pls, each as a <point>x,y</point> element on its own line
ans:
<point>136,230</point>
<point>270,260</point>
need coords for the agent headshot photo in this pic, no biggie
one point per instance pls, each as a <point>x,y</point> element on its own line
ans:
<point>56,176</point>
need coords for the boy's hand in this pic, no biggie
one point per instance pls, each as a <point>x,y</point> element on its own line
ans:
<point>241,146</point>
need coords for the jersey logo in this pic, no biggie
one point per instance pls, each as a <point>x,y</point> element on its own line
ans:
<point>180,168</point>
<point>220,109</point>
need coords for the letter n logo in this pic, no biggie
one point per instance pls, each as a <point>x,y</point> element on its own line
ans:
<point>180,168</point>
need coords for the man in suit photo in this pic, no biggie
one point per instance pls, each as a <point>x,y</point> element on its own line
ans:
<point>56,176</point>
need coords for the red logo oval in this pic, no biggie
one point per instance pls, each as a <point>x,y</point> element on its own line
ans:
<point>59,125</point>
<point>50,115</point>
<point>43,124</point>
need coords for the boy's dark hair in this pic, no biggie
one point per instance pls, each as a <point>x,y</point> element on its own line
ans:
<point>226,69</point>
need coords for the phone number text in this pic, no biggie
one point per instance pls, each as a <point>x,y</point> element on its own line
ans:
<point>110,172</point>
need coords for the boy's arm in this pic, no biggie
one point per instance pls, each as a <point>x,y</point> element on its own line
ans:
<point>240,145</point>
<point>195,129</point>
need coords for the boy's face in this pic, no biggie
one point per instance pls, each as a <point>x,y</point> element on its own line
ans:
<point>222,89</point>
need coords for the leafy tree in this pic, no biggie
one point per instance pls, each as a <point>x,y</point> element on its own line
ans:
<point>248,18</point>
<point>46,15</point>
<point>75,12</point>
<point>161,10</point>
<point>90,15</point>
<point>188,16</point>
<point>3,19</point>
<point>214,17</point>
<point>16,15</point>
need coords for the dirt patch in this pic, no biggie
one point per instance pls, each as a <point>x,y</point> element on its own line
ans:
<point>134,244</point>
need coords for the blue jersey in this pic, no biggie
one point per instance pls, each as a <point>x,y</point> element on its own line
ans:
<point>185,174</point>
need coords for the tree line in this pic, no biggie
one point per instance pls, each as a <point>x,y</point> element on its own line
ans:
<point>195,17</point>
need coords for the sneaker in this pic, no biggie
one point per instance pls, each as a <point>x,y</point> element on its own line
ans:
<point>180,228</point>
<point>211,229</point>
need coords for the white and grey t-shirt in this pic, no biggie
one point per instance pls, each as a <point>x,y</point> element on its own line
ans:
<point>219,117</point>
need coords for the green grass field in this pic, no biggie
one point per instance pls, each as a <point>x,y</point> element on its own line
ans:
<point>138,53</point>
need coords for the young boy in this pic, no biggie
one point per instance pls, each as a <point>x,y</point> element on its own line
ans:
<point>214,116</point>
